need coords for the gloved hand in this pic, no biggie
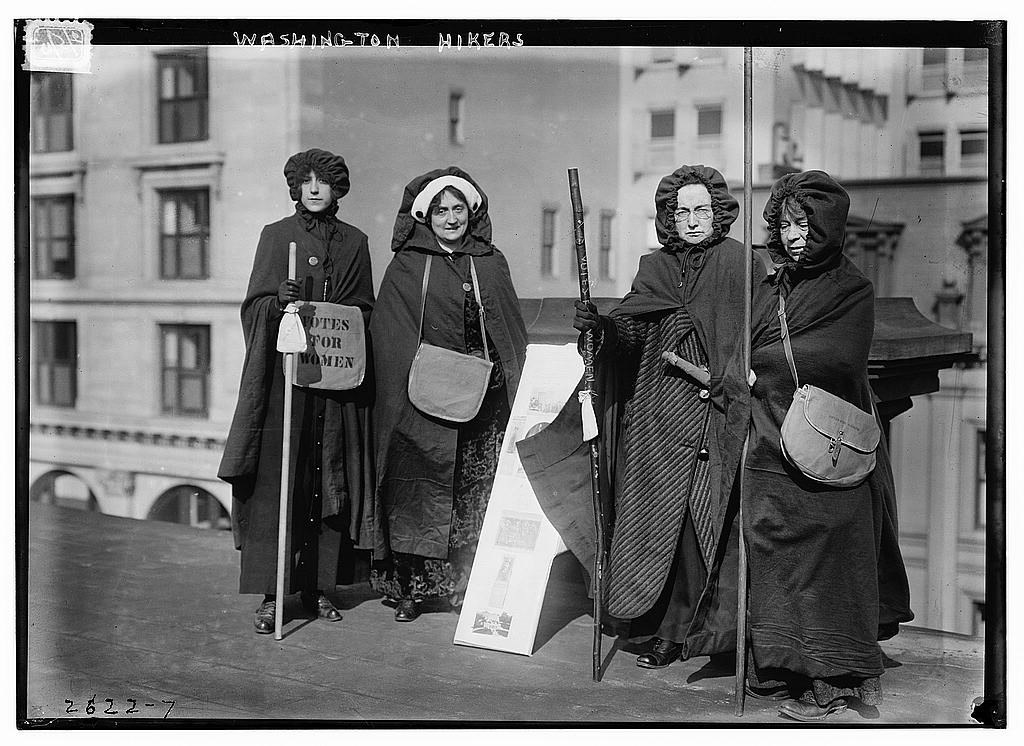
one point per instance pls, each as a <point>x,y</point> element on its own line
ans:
<point>287,292</point>
<point>586,318</point>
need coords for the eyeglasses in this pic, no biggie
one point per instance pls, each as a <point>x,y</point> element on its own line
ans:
<point>702,213</point>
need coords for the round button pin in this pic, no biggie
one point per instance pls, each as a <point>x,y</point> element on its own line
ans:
<point>467,287</point>
<point>313,261</point>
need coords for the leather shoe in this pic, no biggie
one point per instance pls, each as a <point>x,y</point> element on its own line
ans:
<point>264,620</point>
<point>664,653</point>
<point>321,606</point>
<point>407,610</point>
<point>810,712</point>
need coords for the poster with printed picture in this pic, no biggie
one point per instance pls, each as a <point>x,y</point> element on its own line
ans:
<point>503,602</point>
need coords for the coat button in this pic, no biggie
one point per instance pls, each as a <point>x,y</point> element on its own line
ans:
<point>703,393</point>
<point>703,454</point>
<point>467,287</point>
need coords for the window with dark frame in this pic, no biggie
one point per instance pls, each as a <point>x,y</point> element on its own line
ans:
<point>975,66</point>
<point>604,256</point>
<point>709,121</point>
<point>456,115</point>
<point>973,148</point>
<point>183,96</point>
<point>978,618</point>
<point>52,102</point>
<point>833,95</point>
<point>185,354</point>
<point>184,233</point>
<point>933,69</point>
<point>547,241</point>
<point>663,124</point>
<point>932,152</point>
<point>814,91</point>
<point>56,363</point>
<point>53,237</point>
<point>880,109</point>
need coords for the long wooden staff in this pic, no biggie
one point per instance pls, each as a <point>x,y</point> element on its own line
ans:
<point>586,400</point>
<point>741,582</point>
<point>286,438</point>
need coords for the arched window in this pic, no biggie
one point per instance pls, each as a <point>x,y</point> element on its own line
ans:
<point>191,506</point>
<point>64,489</point>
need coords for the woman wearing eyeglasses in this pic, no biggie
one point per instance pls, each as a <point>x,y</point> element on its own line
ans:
<point>672,380</point>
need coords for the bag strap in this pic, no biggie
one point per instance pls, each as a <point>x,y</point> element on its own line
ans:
<point>479,305</point>
<point>476,292</point>
<point>423,297</point>
<point>785,339</point>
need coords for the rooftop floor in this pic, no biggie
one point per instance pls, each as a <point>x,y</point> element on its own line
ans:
<point>141,615</point>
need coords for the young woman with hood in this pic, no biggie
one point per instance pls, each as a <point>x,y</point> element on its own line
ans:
<point>817,605</point>
<point>434,477</point>
<point>330,455</point>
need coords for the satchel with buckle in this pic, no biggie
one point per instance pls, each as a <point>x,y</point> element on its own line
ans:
<point>828,439</point>
<point>444,383</point>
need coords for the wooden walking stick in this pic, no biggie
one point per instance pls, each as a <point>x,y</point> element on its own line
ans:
<point>741,581</point>
<point>590,430</point>
<point>286,437</point>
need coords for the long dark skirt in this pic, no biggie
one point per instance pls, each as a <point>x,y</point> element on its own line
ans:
<point>672,613</point>
<point>313,544</point>
<point>813,606</point>
<point>410,576</point>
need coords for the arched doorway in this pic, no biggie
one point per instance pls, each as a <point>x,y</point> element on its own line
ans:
<point>191,506</point>
<point>64,489</point>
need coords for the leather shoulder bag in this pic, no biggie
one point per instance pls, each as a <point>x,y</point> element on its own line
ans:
<point>444,383</point>
<point>828,439</point>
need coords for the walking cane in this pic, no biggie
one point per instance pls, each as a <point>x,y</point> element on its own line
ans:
<point>741,583</point>
<point>286,437</point>
<point>590,431</point>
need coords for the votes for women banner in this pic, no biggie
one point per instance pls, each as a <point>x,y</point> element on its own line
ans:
<point>517,544</point>
<point>335,354</point>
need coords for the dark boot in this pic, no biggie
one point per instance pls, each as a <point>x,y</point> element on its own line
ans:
<point>264,620</point>
<point>407,610</point>
<point>320,606</point>
<point>663,653</point>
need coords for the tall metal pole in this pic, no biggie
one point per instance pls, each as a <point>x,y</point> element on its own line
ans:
<point>586,400</point>
<point>991,710</point>
<point>748,178</point>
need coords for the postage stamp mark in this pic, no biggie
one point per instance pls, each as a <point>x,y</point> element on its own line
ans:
<point>58,46</point>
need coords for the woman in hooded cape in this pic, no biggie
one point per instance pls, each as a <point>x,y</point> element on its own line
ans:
<point>670,445</point>
<point>331,453</point>
<point>826,577</point>
<point>434,476</point>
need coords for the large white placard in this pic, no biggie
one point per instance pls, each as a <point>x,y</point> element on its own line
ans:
<point>502,606</point>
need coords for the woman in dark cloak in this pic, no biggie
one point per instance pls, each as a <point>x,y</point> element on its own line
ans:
<point>817,606</point>
<point>331,452</point>
<point>674,449</point>
<point>434,477</point>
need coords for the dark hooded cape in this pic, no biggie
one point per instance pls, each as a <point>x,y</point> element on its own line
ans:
<point>707,282</point>
<point>826,576</point>
<point>252,454</point>
<point>416,454</point>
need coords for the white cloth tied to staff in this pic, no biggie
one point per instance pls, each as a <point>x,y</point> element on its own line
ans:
<point>291,335</point>
<point>589,416</point>
<point>329,342</point>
